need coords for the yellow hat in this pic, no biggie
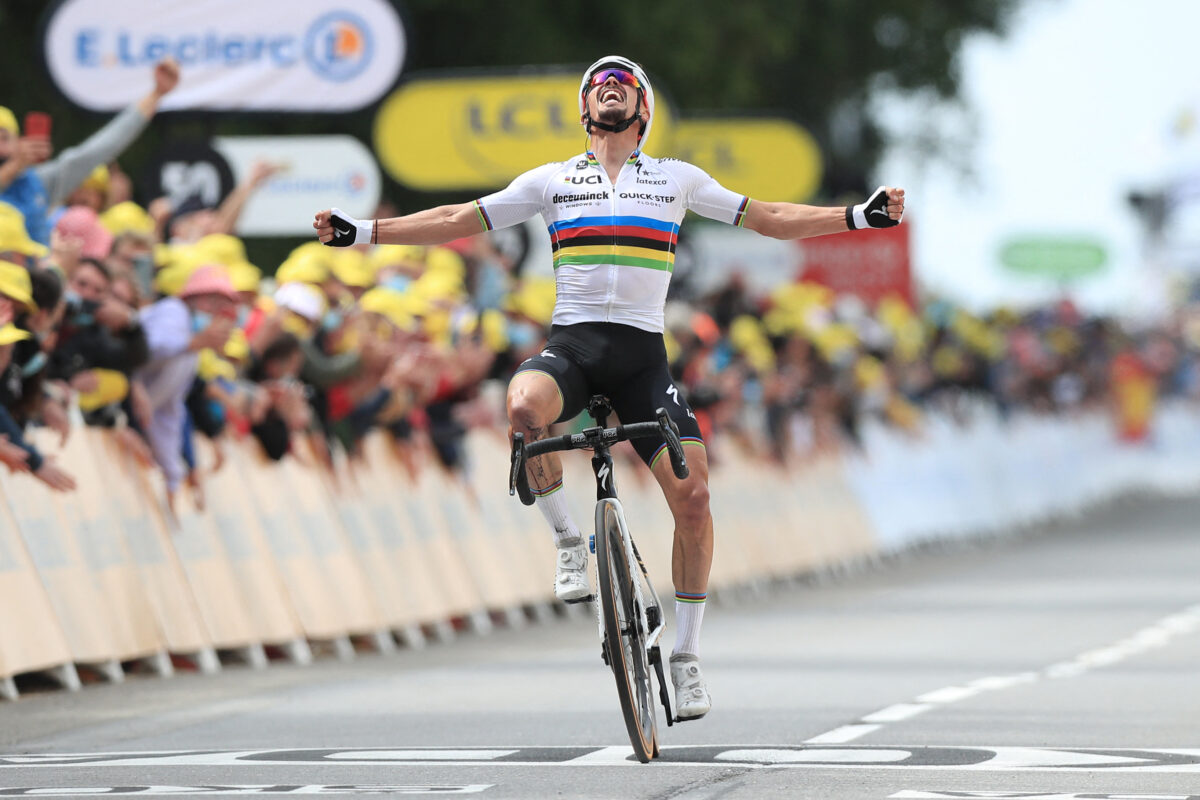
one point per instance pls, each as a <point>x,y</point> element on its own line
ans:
<point>237,347</point>
<point>126,217</point>
<point>111,387</point>
<point>396,255</point>
<point>172,278</point>
<point>15,283</point>
<point>535,299</point>
<point>351,268</point>
<point>209,365</point>
<point>389,304</point>
<point>221,248</point>
<point>245,276</point>
<point>303,268</point>
<point>443,259</point>
<point>98,180</point>
<point>11,333</point>
<point>8,121</point>
<point>14,236</point>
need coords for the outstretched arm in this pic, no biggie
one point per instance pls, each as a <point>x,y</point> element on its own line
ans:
<point>430,227</point>
<point>793,221</point>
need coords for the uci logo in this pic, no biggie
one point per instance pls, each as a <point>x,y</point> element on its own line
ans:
<point>338,46</point>
<point>581,179</point>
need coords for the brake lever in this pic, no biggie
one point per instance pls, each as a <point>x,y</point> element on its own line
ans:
<point>670,434</point>
<point>518,481</point>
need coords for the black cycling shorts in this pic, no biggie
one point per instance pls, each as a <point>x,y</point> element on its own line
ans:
<point>626,364</point>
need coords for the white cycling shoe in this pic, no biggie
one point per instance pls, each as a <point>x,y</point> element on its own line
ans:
<point>691,692</point>
<point>570,575</point>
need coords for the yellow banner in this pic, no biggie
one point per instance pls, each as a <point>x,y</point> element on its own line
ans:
<point>475,133</point>
<point>767,158</point>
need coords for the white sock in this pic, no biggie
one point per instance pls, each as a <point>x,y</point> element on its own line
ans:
<point>689,613</point>
<point>553,505</point>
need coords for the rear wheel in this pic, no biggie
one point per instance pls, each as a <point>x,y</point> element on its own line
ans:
<point>624,635</point>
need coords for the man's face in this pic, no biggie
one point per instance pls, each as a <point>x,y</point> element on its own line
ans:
<point>89,283</point>
<point>611,101</point>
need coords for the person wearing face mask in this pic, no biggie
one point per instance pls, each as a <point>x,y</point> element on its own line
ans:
<point>177,329</point>
<point>100,342</point>
<point>35,183</point>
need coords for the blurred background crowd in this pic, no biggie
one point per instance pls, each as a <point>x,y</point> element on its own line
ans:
<point>151,321</point>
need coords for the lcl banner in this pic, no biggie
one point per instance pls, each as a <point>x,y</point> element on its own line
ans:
<point>481,132</point>
<point>767,158</point>
<point>314,56</point>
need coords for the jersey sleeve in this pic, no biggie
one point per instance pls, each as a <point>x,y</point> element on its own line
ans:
<point>517,202</point>
<point>702,194</point>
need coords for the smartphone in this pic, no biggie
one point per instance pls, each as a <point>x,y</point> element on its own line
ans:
<point>37,123</point>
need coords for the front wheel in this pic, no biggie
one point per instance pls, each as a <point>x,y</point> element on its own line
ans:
<point>624,632</point>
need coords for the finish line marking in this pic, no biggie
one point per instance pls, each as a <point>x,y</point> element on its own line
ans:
<point>355,789</point>
<point>1157,635</point>
<point>981,759</point>
<point>911,795</point>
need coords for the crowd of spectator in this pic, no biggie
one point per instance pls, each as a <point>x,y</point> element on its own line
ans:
<point>152,322</point>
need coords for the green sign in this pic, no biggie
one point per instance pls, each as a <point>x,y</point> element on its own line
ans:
<point>1058,257</point>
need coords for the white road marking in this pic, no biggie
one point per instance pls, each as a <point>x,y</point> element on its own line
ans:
<point>909,794</point>
<point>846,733</point>
<point>1157,635</point>
<point>376,756</point>
<point>605,755</point>
<point>897,712</point>
<point>213,789</point>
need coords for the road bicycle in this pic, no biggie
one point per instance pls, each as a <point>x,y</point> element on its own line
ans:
<point>630,616</point>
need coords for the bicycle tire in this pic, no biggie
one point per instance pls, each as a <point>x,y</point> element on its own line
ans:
<point>625,640</point>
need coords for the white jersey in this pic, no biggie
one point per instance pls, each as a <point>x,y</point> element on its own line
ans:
<point>614,245</point>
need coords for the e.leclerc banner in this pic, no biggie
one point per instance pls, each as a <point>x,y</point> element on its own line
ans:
<point>313,56</point>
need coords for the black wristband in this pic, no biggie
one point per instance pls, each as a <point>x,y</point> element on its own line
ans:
<point>850,218</point>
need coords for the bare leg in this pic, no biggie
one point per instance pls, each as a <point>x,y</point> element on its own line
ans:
<point>533,404</point>
<point>692,553</point>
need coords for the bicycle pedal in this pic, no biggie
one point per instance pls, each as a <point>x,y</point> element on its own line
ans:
<point>586,599</point>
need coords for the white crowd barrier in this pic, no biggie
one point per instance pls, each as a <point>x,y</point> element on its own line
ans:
<point>282,557</point>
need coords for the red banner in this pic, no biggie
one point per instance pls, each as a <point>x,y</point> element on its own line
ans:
<point>869,264</point>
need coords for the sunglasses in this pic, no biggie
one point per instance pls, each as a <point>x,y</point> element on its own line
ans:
<point>621,76</point>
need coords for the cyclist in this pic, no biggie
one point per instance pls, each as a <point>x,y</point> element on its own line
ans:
<point>613,214</point>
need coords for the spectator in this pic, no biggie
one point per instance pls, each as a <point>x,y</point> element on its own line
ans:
<point>177,328</point>
<point>35,184</point>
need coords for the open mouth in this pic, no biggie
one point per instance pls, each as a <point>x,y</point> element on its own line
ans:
<point>611,94</point>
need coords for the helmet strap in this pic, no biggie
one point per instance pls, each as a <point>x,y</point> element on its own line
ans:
<point>623,124</point>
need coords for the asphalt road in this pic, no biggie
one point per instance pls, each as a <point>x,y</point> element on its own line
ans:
<point>1063,663</point>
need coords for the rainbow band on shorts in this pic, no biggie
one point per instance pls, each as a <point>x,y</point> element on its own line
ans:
<point>549,490</point>
<point>685,440</point>
<point>688,597</point>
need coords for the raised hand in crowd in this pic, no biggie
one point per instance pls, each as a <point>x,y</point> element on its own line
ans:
<point>54,476</point>
<point>166,78</point>
<point>214,335</point>
<point>115,315</point>
<point>55,417</point>
<point>12,456</point>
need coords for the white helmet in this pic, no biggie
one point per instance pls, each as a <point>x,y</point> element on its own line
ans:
<point>646,91</point>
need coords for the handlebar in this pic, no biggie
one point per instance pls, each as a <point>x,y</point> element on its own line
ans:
<point>597,439</point>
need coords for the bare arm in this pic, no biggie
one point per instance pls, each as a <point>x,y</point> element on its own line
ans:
<point>430,227</point>
<point>794,221</point>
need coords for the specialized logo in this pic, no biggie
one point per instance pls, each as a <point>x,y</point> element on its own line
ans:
<point>559,199</point>
<point>545,353</point>
<point>649,198</point>
<point>338,46</point>
<point>578,179</point>
<point>603,476</point>
<point>673,393</point>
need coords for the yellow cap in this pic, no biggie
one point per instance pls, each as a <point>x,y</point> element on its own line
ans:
<point>98,180</point>
<point>8,121</point>
<point>221,248</point>
<point>14,236</point>
<point>15,283</point>
<point>535,299</point>
<point>303,268</point>
<point>209,365</point>
<point>126,217</point>
<point>352,268</point>
<point>245,276</point>
<point>11,333</point>
<point>389,304</point>
<point>112,386</point>
<point>408,257</point>
<point>443,259</point>
<point>171,278</point>
<point>237,347</point>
